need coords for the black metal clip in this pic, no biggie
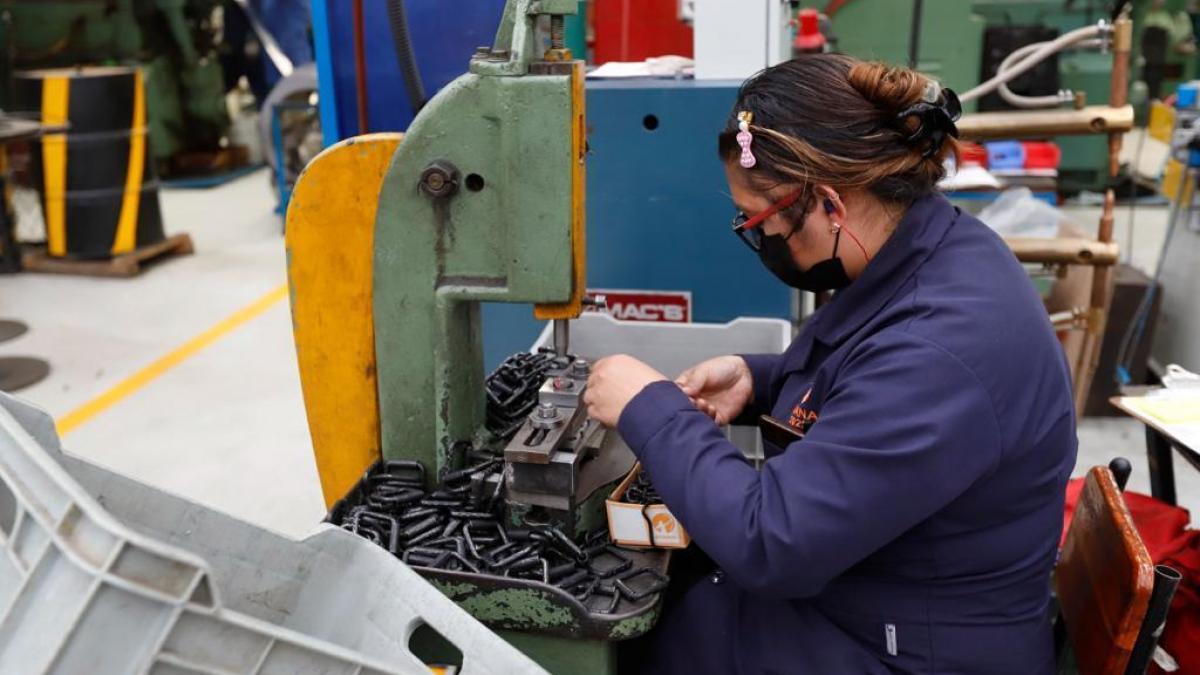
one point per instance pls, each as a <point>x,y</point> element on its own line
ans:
<point>658,583</point>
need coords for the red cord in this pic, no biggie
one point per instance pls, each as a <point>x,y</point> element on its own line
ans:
<point>360,67</point>
<point>833,7</point>
<point>856,241</point>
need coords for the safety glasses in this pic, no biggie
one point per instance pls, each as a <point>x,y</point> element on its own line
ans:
<point>748,229</point>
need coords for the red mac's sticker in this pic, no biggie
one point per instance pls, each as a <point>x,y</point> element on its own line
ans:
<point>663,306</point>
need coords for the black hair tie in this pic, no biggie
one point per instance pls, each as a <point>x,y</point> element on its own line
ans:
<point>936,113</point>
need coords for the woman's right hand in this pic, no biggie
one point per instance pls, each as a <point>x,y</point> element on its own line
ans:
<point>720,388</point>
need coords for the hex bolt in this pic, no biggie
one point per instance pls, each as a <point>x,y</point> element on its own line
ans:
<point>498,55</point>
<point>439,180</point>
<point>482,52</point>
<point>546,416</point>
<point>580,368</point>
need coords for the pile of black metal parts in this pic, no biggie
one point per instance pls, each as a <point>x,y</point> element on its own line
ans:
<point>512,391</point>
<point>459,528</point>
<point>641,491</point>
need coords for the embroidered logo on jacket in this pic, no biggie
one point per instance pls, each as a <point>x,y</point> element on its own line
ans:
<point>802,418</point>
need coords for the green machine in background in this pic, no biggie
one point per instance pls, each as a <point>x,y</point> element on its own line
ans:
<point>175,41</point>
<point>1085,157</point>
<point>952,43</point>
<point>951,35</point>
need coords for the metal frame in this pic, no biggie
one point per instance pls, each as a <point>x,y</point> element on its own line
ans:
<point>326,85</point>
<point>1114,120</point>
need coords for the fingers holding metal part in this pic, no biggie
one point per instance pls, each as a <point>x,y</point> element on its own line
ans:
<point>613,382</point>
<point>721,387</point>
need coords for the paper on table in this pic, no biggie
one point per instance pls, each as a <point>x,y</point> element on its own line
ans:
<point>1175,412</point>
<point>1176,408</point>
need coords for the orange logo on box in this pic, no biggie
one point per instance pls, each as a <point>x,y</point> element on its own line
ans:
<point>663,524</point>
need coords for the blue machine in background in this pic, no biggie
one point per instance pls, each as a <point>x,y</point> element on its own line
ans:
<point>658,206</point>
<point>444,35</point>
<point>658,212</point>
<point>658,216</point>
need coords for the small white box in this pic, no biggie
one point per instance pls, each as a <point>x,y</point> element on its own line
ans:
<point>644,526</point>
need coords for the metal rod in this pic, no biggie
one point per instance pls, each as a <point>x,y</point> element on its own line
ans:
<point>1166,580</point>
<point>1102,277</point>
<point>1100,291</point>
<point>562,337</point>
<point>1067,319</point>
<point>1042,123</point>
<point>1118,96</point>
<point>1064,251</point>
<point>360,67</point>
<point>914,34</point>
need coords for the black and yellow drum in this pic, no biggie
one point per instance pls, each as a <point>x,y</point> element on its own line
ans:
<point>93,165</point>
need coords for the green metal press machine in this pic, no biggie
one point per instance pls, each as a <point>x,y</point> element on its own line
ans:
<point>393,243</point>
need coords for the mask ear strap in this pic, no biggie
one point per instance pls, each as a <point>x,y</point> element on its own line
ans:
<point>858,243</point>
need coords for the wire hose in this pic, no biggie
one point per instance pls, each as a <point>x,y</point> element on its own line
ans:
<point>1048,101</point>
<point>1137,327</point>
<point>1035,56</point>
<point>407,58</point>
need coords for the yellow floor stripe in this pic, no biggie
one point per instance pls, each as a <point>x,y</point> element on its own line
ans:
<point>72,420</point>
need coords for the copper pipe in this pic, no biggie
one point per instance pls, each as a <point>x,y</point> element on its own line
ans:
<point>1118,96</point>
<point>1042,123</point>
<point>1119,89</point>
<point>1102,277</point>
<point>360,66</point>
<point>1100,290</point>
<point>1063,251</point>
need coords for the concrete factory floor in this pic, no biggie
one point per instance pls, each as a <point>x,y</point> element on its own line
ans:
<point>185,377</point>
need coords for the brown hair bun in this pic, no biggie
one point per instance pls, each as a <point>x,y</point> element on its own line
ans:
<point>888,88</point>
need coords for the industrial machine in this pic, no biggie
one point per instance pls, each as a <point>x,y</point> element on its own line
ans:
<point>962,43</point>
<point>393,246</point>
<point>559,460</point>
<point>175,42</point>
<point>444,32</point>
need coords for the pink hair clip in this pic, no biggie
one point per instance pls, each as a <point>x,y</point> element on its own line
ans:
<point>744,139</point>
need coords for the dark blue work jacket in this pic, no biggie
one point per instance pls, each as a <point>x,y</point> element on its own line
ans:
<point>914,527</point>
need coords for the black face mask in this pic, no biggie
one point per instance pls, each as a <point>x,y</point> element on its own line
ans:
<point>827,275</point>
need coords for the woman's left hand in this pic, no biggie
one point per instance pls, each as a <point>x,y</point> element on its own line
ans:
<point>614,381</point>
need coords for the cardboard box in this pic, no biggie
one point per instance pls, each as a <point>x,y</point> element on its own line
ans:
<point>642,526</point>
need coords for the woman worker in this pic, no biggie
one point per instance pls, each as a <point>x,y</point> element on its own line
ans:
<point>911,526</point>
